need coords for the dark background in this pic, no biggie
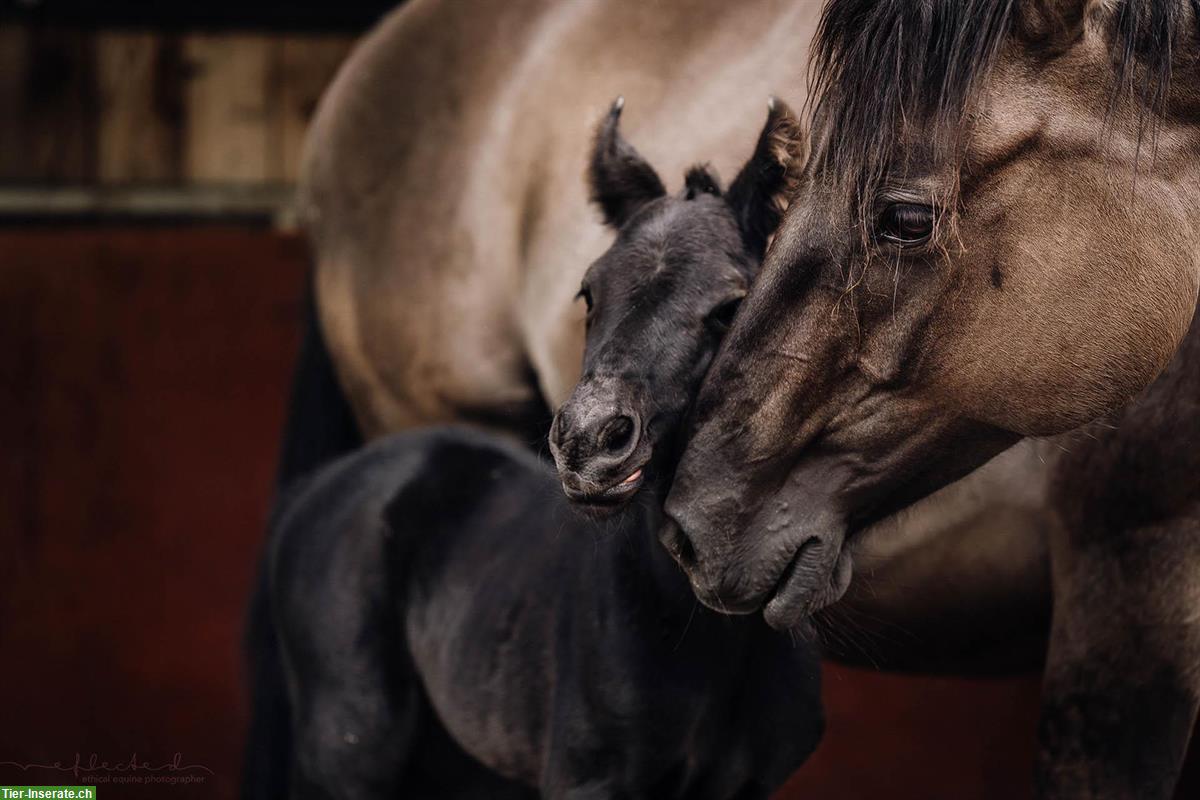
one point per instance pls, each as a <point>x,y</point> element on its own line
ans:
<point>295,15</point>
<point>151,291</point>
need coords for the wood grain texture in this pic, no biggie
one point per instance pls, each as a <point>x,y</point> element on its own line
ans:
<point>14,80</point>
<point>140,107</point>
<point>304,67</point>
<point>57,108</point>
<point>142,113</point>
<point>229,108</point>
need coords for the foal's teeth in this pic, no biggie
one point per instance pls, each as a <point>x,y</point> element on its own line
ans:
<point>632,478</point>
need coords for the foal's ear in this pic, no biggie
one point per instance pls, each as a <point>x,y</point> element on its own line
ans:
<point>621,180</point>
<point>759,194</point>
<point>701,179</point>
<point>1053,24</point>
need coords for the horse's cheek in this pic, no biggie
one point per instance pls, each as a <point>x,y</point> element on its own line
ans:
<point>1063,320</point>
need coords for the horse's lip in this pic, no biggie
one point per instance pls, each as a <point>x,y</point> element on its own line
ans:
<point>784,586</point>
<point>794,597</point>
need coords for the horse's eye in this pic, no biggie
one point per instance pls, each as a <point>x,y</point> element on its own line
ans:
<point>906,223</point>
<point>722,316</point>
<point>586,294</point>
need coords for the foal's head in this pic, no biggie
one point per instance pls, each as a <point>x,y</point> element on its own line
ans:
<point>659,301</point>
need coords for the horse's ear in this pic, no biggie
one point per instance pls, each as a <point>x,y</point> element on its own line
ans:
<point>621,180</point>
<point>760,193</point>
<point>1052,24</point>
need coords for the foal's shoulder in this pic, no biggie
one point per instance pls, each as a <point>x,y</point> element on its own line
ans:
<point>456,468</point>
<point>462,446</point>
<point>425,474</point>
<point>421,457</point>
<point>425,478</point>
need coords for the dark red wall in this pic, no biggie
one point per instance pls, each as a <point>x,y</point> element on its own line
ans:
<point>142,389</point>
<point>141,394</point>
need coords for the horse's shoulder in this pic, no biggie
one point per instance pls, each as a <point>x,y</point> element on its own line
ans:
<point>1140,467</point>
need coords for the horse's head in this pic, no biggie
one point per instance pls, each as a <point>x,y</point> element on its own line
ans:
<point>996,236</point>
<point>659,301</point>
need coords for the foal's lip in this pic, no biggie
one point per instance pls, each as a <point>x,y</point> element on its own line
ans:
<point>625,488</point>
<point>611,496</point>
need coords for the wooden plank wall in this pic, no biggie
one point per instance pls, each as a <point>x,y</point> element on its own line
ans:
<point>130,107</point>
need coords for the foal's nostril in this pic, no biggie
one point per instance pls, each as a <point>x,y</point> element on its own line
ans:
<point>556,431</point>
<point>616,435</point>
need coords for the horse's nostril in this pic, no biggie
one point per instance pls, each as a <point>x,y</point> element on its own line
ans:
<point>615,436</point>
<point>679,545</point>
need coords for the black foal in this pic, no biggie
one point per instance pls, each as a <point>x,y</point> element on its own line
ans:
<point>659,301</point>
<point>451,627</point>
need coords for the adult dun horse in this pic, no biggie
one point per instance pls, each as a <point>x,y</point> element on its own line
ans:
<point>995,241</point>
<point>443,198</point>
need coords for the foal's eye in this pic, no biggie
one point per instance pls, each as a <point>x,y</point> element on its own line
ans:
<point>906,223</point>
<point>586,295</point>
<point>722,316</point>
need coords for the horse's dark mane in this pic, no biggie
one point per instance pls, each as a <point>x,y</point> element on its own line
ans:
<point>1146,35</point>
<point>880,64</point>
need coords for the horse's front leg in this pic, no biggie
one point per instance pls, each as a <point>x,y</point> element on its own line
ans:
<point>1123,670</point>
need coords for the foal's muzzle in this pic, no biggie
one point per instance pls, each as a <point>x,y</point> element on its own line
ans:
<point>599,447</point>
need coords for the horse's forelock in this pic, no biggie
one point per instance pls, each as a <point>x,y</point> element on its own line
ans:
<point>1146,35</point>
<point>879,65</point>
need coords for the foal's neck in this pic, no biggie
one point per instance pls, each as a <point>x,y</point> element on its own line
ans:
<point>643,562</point>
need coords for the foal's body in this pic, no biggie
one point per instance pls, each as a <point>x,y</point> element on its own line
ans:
<point>442,570</point>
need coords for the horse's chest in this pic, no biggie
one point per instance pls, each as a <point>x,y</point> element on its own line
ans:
<point>1016,479</point>
<point>980,546</point>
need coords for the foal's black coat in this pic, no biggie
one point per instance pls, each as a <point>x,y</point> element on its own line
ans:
<point>437,582</point>
<point>451,628</point>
